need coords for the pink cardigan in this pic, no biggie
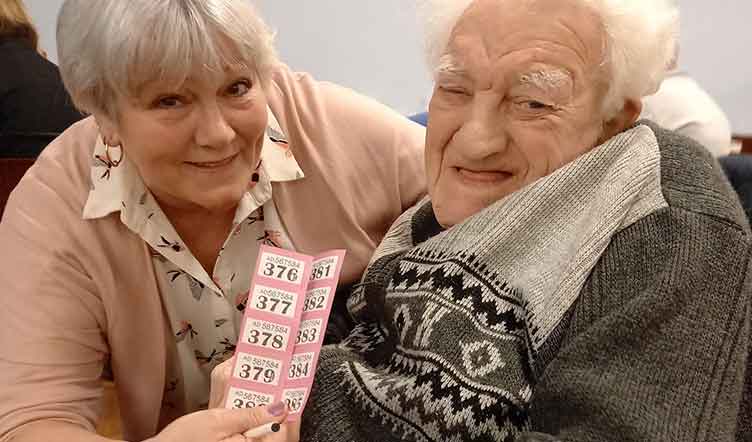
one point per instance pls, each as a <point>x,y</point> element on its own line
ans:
<point>77,293</point>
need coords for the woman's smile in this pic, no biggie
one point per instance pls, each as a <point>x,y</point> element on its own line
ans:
<point>214,165</point>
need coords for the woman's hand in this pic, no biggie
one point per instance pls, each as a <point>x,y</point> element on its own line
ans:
<point>220,378</point>
<point>220,425</point>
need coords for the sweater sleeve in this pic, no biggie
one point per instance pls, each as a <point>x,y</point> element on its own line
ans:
<point>52,340</point>
<point>363,164</point>
<point>656,346</point>
<point>386,148</point>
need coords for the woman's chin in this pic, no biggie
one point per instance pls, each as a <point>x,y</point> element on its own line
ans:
<point>222,200</point>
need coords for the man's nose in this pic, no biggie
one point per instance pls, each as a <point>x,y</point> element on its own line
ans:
<point>484,133</point>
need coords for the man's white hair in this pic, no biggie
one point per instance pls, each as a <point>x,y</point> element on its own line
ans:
<point>110,48</point>
<point>641,41</point>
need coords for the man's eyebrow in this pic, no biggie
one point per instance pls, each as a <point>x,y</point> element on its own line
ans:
<point>448,64</point>
<point>545,79</point>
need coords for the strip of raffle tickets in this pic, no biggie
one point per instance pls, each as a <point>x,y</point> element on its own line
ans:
<point>283,328</point>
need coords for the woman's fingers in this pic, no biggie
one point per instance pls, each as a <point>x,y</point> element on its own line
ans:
<point>233,422</point>
<point>220,376</point>
<point>237,438</point>
<point>220,425</point>
<point>289,432</point>
<point>246,419</point>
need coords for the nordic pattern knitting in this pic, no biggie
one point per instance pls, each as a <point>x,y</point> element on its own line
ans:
<point>449,328</point>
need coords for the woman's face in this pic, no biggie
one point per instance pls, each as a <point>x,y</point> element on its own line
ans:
<point>197,144</point>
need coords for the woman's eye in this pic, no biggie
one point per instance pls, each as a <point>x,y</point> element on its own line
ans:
<point>239,89</point>
<point>168,102</point>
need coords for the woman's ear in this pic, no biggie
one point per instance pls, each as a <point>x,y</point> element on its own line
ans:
<point>108,129</point>
<point>623,119</point>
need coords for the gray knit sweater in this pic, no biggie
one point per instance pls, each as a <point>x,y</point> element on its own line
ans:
<point>652,347</point>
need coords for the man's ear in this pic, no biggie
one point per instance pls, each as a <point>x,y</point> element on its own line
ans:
<point>108,129</point>
<point>623,119</point>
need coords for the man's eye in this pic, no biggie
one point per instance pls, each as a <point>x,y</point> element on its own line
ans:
<point>239,89</point>
<point>453,90</point>
<point>537,105</point>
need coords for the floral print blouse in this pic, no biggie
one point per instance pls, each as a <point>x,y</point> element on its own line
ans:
<point>203,310</point>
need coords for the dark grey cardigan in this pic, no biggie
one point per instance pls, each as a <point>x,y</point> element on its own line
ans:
<point>654,349</point>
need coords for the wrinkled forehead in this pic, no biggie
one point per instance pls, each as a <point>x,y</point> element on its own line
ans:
<point>527,72</point>
<point>518,34</point>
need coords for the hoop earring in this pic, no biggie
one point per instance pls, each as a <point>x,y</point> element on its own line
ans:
<point>109,158</point>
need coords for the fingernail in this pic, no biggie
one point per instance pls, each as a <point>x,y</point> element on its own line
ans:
<point>277,409</point>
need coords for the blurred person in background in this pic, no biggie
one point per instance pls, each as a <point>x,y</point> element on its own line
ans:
<point>34,106</point>
<point>682,105</point>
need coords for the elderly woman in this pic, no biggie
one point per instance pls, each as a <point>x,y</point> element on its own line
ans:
<point>129,245</point>
<point>572,274</point>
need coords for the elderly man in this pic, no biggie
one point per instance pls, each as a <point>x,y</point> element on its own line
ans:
<point>573,275</point>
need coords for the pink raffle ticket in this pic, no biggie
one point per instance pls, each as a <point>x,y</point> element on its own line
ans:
<point>283,328</point>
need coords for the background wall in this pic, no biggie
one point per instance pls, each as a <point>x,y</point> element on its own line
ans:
<point>716,49</point>
<point>373,46</point>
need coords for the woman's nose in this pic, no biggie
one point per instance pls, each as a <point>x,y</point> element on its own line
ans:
<point>213,130</point>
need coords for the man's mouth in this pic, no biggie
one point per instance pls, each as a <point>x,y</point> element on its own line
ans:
<point>482,176</point>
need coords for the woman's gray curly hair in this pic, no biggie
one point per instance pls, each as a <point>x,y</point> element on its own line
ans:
<point>641,41</point>
<point>108,49</point>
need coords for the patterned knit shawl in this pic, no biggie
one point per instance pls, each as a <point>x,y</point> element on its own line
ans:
<point>452,325</point>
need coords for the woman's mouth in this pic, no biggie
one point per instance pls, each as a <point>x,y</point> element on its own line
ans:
<point>213,164</point>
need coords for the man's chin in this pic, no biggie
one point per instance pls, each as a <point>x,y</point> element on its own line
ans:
<point>452,212</point>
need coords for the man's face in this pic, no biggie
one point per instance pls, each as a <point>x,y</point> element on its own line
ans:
<point>518,94</point>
